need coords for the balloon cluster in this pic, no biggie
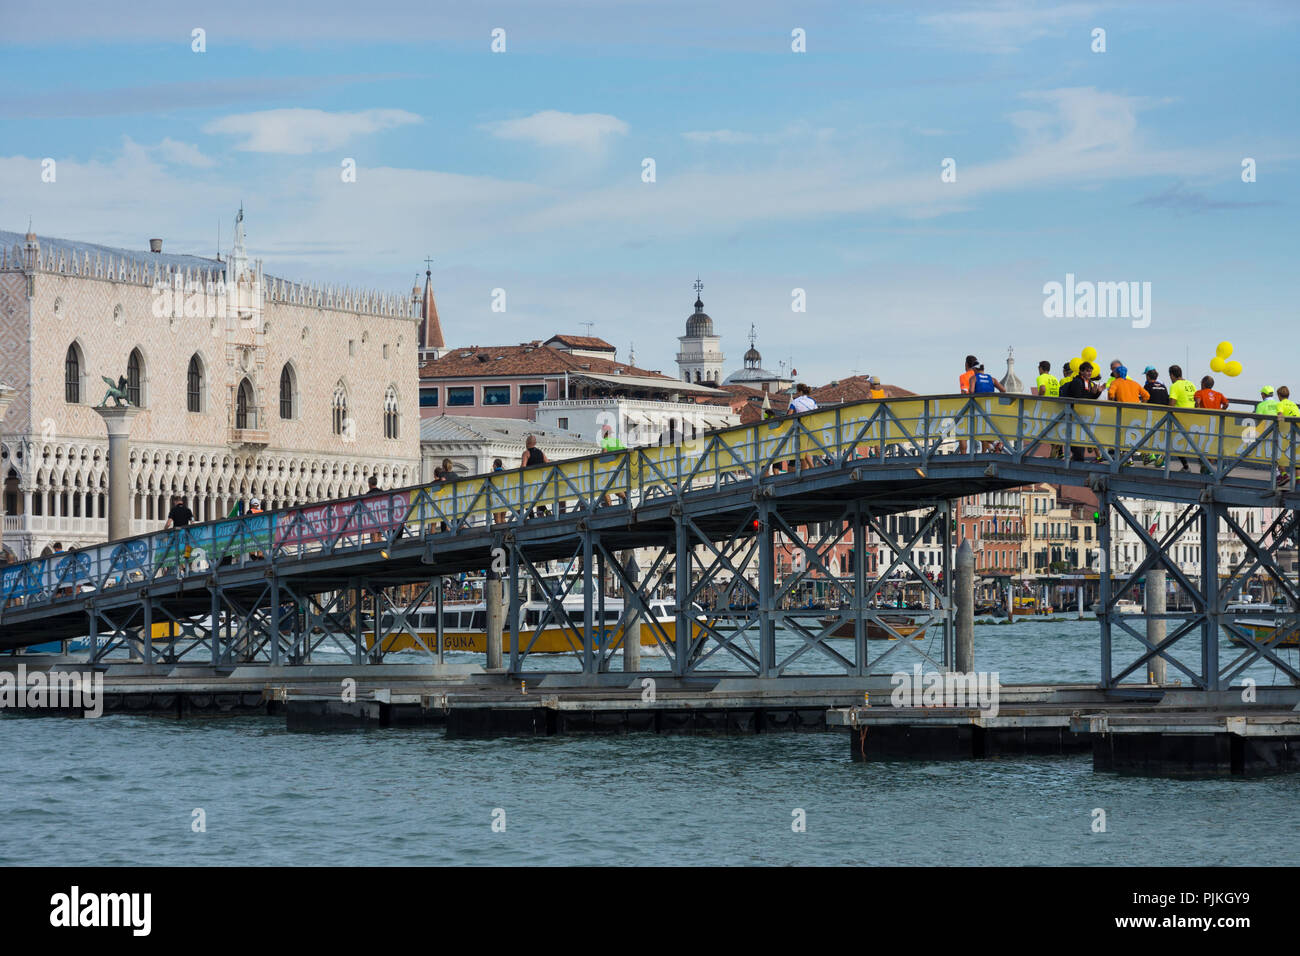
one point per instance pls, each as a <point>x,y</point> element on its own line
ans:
<point>1220,361</point>
<point>1088,355</point>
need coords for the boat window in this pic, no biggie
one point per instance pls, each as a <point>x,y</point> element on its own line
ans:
<point>479,621</point>
<point>386,622</point>
<point>533,616</point>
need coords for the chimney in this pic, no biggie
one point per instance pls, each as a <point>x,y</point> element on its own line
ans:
<point>155,245</point>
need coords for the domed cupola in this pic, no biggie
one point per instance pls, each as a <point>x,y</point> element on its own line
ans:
<point>699,324</point>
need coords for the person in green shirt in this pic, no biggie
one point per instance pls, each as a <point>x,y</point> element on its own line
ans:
<point>1046,385</point>
<point>609,441</point>
<point>1286,407</point>
<point>1182,394</point>
<point>1267,403</point>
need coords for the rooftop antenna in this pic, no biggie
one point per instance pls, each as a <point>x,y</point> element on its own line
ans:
<point>588,326</point>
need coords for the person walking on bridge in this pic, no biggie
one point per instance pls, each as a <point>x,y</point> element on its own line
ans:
<point>1267,404</point>
<point>1124,389</point>
<point>1207,397</point>
<point>1046,385</point>
<point>1182,394</point>
<point>802,402</point>
<point>1080,388</point>
<point>966,381</point>
<point>1285,409</point>
<point>1159,395</point>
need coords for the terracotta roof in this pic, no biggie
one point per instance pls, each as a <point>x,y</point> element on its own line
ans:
<point>856,388</point>
<point>530,358</point>
<point>1075,496</point>
<point>581,342</point>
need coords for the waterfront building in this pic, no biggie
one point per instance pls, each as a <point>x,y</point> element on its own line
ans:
<point>571,384</point>
<point>472,442</point>
<point>993,522</point>
<point>248,385</point>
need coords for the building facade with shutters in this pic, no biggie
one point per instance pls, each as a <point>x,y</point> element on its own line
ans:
<point>248,385</point>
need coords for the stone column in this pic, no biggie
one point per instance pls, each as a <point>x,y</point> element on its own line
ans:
<point>496,615</point>
<point>1155,605</point>
<point>118,419</point>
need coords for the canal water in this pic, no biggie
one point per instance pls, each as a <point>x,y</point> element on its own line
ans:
<point>131,790</point>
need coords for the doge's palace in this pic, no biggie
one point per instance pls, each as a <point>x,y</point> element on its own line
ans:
<point>249,386</point>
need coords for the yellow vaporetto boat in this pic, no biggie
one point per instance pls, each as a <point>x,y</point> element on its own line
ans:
<point>464,627</point>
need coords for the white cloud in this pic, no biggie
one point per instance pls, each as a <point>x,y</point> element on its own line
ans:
<point>1004,27</point>
<point>298,131</point>
<point>587,131</point>
<point>794,133</point>
<point>726,136</point>
<point>183,154</point>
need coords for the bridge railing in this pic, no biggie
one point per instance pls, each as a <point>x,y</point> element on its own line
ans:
<point>1228,446</point>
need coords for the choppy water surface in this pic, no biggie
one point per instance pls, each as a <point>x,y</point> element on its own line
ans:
<point>123,790</point>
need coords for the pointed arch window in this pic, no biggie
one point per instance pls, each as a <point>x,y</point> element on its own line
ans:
<point>245,411</point>
<point>286,392</point>
<point>390,413</point>
<point>340,408</point>
<point>135,379</point>
<point>194,385</point>
<point>72,375</point>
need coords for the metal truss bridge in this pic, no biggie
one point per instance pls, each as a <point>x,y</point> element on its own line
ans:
<point>277,587</point>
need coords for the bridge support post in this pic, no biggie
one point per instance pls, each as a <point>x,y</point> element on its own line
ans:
<point>1103,587</point>
<point>275,619</point>
<point>1210,511</point>
<point>632,623</point>
<point>766,592</point>
<point>214,628</point>
<point>965,650</point>
<point>358,639</point>
<point>145,651</point>
<point>492,599</point>
<point>681,587</point>
<point>589,599</point>
<point>515,606</point>
<point>860,599</point>
<point>950,608</point>
<point>1156,625</point>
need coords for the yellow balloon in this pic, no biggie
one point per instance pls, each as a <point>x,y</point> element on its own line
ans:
<point>1217,364</point>
<point>1224,350</point>
<point>1075,363</point>
<point>1089,354</point>
<point>1233,369</point>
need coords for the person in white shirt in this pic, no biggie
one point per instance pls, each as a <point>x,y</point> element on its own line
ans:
<point>803,402</point>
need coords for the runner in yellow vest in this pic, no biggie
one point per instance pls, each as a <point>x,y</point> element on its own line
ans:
<point>1046,385</point>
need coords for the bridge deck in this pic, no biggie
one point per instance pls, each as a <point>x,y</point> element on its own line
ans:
<point>889,456</point>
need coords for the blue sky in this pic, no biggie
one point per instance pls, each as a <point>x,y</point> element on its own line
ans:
<point>775,170</point>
